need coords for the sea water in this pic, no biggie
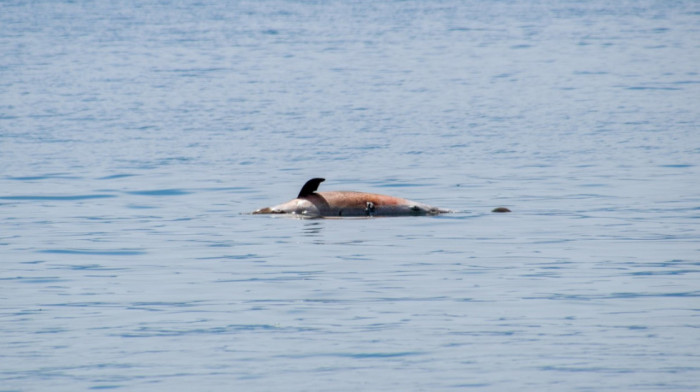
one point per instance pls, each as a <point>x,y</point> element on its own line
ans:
<point>136,137</point>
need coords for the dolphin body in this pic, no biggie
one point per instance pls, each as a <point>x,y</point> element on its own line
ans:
<point>312,204</point>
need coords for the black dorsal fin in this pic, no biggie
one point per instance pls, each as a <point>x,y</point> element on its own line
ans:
<point>310,187</point>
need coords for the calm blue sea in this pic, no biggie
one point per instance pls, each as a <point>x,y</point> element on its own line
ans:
<point>136,137</point>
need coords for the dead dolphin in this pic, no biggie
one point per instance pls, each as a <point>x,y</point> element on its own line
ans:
<point>310,203</point>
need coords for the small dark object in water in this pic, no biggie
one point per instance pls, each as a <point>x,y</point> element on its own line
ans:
<point>500,209</point>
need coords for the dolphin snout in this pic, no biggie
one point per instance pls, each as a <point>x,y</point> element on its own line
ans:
<point>267,210</point>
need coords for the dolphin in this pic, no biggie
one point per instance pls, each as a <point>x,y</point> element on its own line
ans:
<point>312,204</point>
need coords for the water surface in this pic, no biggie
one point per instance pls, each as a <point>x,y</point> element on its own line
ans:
<point>136,137</point>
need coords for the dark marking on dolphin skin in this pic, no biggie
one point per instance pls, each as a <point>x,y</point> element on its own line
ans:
<point>312,204</point>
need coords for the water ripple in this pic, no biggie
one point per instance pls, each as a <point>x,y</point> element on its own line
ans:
<point>160,192</point>
<point>95,252</point>
<point>57,198</point>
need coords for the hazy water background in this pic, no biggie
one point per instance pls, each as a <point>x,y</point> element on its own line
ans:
<point>135,137</point>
